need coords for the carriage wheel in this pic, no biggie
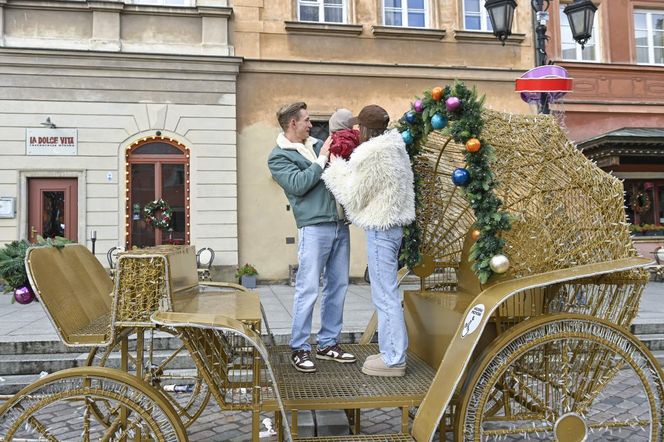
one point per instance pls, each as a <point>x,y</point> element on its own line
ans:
<point>186,389</point>
<point>58,407</point>
<point>559,378</point>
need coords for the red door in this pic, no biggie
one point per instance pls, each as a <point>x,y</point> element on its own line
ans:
<point>157,170</point>
<point>53,208</point>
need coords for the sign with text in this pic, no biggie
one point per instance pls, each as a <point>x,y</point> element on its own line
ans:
<point>51,141</point>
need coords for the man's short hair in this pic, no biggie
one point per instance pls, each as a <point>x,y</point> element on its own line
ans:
<point>288,112</point>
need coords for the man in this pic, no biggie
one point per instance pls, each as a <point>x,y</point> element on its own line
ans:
<point>297,163</point>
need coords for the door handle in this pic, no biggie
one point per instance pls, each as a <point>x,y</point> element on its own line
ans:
<point>33,232</point>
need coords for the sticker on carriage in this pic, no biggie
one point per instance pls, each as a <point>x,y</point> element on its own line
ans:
<point>473,320</point>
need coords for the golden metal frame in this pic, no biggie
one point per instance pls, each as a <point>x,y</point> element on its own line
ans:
<point>572,262</point>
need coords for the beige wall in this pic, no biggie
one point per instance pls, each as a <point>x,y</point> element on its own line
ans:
<point>131,80</point>
<point>331,66</point>
<point>116,26</point>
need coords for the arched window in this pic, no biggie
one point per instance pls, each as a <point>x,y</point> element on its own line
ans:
<point>157,167</point>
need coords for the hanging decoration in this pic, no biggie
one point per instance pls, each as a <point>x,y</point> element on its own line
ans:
<point>151,210</point>
<point>640,202</point>
<point>459,108</point>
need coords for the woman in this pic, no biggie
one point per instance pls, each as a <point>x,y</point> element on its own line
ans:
<point>375,186</point>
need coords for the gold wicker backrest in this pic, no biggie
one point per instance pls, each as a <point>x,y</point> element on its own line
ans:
<point>146,280</point>
<point>71,284</point>
<point>566,210</point>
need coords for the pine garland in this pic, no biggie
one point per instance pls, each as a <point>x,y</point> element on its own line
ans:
<point>12,260</point>
<point>464,123</point>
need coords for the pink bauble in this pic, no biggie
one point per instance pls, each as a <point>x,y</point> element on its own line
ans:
<point>452,104</point>
<point>418,106</point>
<point>23,294</point>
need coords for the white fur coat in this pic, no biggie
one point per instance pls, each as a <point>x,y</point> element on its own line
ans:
<point>375,185</point>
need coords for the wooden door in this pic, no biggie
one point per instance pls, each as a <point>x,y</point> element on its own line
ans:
<point>157,170</point>
<point>53,208</point>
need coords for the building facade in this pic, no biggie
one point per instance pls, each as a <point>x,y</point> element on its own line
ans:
<point>350,53</point>
<point>106,106</point>
<point>616,112</point>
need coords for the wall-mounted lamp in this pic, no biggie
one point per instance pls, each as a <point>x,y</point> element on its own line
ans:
<point>48,123</point>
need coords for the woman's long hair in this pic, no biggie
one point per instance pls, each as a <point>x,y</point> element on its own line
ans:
<point>367,133</point>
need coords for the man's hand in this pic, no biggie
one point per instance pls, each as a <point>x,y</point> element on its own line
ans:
<point>325,150</point>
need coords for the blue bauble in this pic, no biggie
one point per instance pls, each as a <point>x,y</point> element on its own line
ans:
<point>438,121</point>
<point>460,177</point>
<point>407,136</point>
<point>410,117</point>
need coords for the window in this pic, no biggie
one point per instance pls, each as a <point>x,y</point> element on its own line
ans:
<point>649,36</point>
<point>475,16</point>
<point>323,11</point>
<point>570,49</point>
<point>407,13</point>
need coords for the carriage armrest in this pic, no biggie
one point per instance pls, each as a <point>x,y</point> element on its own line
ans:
<point>201,303</point>
<point>228,285</point>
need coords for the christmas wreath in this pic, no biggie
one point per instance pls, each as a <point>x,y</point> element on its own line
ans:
<point>158,206</point>
<point>457,111</point>
<point>640,202</point>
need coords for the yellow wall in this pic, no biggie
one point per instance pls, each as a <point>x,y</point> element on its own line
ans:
<point>329,71</point>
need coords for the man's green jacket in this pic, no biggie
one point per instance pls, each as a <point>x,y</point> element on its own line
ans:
<point>312,203</point>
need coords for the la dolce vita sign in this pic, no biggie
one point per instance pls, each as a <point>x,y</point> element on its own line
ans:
<point>51,141</point>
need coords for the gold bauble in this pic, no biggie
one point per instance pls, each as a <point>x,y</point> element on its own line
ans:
<point>499,263</point>
<point>474,235</point>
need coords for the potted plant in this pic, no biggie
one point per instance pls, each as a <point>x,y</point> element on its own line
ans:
<point>12,267</point>
<point>247,275</point>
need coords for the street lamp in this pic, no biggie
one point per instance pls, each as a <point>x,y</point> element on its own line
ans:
<point>580,14</point>
<point>501,13</point>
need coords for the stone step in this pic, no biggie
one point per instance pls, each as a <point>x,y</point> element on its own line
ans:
<point>37,363</point>
<point>161,341</point>
<point>29,364</point>
<point>654,342</point>
<point>659,355</point>
<point>12,384</point>
<point>647,328</point>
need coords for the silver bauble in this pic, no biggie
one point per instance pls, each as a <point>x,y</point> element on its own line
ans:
<point>499,263</point>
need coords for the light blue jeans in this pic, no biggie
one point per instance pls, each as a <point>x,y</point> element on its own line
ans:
<point>382,255</point>
<point>323,247</point>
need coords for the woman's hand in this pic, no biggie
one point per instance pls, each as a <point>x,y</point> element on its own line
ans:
<point>325,150</point>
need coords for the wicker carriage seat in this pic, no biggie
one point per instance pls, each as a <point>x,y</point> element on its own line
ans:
<point>75,291</point>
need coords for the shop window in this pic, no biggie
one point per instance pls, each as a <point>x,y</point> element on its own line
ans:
<point>406,13</point>
<point>157,169</point>
<point>322,11</point>
<point>570,50</point>
<point>475,16</point>
<point>644,206</point>
<point>649,36</point>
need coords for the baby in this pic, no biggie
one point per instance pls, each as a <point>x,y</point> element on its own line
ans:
<point>344,138</point>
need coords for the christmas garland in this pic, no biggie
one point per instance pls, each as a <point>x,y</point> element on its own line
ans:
<point>640,202</point>
<point>457,111</point>
<point>150,211</point>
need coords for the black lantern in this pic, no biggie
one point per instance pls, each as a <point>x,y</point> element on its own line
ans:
<point>501,13</point>
<point>581,14</point>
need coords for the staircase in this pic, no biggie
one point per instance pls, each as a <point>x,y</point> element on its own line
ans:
<point>24,362</point>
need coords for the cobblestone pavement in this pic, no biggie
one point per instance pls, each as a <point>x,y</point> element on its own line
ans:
<point>622,399</point>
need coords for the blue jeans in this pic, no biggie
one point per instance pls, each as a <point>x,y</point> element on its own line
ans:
<point>382,255</point>
<point>323,247</point>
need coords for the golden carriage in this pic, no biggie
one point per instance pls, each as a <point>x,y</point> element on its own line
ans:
<point>532,354</point>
